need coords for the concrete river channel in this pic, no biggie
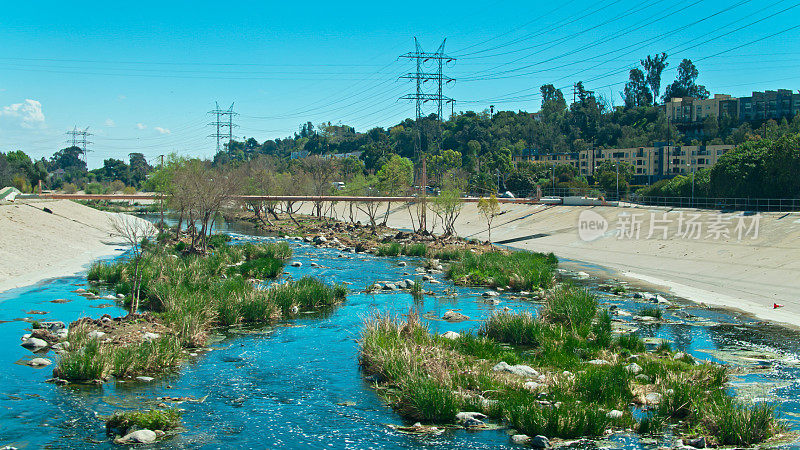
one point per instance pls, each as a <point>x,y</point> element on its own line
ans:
<point>298,385</point>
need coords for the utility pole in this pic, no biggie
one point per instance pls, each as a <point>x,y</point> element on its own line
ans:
<point>79,139</point>
<point>221,123</point>
<point>161,197</point>
<point>420,76</point>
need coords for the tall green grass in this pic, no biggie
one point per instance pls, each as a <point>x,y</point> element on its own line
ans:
<point>512,328</point>
<point>429,378</point>
<point>421,249</point>
<point>518,270</point>
<point>571,305</point>
<point>152,419</point>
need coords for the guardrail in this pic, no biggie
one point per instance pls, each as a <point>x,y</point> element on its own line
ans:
<point>274,198</point>
<point>714,203</point>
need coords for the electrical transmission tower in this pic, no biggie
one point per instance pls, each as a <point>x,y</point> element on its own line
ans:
<point>223,118</point>
<point>421,76</point>
<point>79,138</point>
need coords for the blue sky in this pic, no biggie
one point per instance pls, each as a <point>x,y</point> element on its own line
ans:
<point>142,75</point>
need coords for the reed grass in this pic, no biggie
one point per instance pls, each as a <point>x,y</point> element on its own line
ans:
<point>651,311</point>
<point>518,270</point>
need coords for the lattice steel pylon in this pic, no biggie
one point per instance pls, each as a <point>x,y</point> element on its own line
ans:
<point>421,77</point>
<point>220,123</point>
<point>80,139</point>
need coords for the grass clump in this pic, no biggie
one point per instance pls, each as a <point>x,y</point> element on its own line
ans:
<point>305,293</point>
<point>426,400</point>
<point>517,270</point>
<point>86,360</point>
<point>261,268</point>
<point>511,328</point>
<point>735,423</point>
<point>567,421</point>
<point>572,306</point>
<point>148,357</point>
<point>392,249</point>
<point>152,419</point>
<point>651,311</point>
<point>416,290</point>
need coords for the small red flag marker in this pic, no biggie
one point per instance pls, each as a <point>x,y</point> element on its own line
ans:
<point>776,306</point>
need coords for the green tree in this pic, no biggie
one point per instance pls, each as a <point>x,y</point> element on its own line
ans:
<point>395,178</point>
<point>636,92</point>
<point>686,83</point>
<point>139,168</point>
<point>489,207</point>
<point>614,177</point>
<point>653,68</point>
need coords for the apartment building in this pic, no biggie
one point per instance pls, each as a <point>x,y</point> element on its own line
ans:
<point>649,163</point>
<point>769,105</point>
<point>776,105</point>
<point>695,110</point>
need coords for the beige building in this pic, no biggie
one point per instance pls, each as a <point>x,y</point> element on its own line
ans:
<point>692,110</point>
<point>661,161</point>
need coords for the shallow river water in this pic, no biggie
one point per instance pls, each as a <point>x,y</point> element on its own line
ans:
<point>297,385</point>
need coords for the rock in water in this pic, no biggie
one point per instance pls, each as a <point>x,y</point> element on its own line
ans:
<point>145,379</point>
<point>454,316</point>
<point>34,344</point>
<point>696,442</point>
<point>138,437</point>
<point>490,294</point>
<point>297,264</point>
<point>53,327</point>
<point>540,442</point>
<point>39,362</point>
<point>521,439</point>
<point>466,415</point>
<point>614,414</point>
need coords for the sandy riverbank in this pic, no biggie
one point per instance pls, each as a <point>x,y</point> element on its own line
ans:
<point>748,275</point>
<point>36,245</point>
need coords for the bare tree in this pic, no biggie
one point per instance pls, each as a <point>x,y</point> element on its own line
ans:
<point>135,232</point>
<point>321,173</point>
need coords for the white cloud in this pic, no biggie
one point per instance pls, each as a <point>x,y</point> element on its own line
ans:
<point>141,126</point>
<point>29,113</point>
<point>162,130</point>
<point>110,123</point>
